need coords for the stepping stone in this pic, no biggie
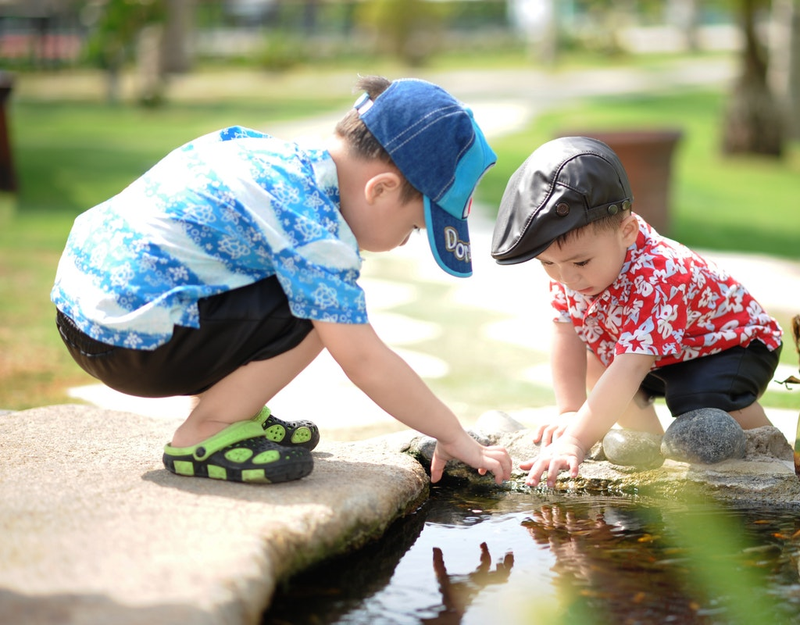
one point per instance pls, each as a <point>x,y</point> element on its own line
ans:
<point>629,448</point>
<point>704,436</point>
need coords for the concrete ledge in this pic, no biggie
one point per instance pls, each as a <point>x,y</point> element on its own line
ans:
<point>96,531</point>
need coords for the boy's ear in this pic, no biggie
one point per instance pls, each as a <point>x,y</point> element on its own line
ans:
<point>380,185</point>
<point>630,229</point>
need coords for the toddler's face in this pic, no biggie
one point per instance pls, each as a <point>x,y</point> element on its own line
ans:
<point>588,263</point>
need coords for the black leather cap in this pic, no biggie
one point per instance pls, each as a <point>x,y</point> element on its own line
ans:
<point>565,184</point>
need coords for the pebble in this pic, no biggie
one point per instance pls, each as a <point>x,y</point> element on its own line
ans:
<point>704,436</point>
<point>630,448</point>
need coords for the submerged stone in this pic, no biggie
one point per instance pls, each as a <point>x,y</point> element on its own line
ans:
<point>705,436</point>
<point>629,448</point>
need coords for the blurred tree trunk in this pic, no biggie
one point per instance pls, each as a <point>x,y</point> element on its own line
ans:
<point>176,51</point>
<point>753,123</point>
<point>148,63</point>
<point>784,65</point>
<point>685,14</point>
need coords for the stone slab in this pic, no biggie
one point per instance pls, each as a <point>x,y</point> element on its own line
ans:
<point>94,530</point>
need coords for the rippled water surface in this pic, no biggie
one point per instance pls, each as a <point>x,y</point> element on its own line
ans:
<point>517,558</point>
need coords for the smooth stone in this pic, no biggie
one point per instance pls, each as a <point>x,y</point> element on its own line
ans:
<point>496,422</point>
<point>629,448</point>
<point>704,436</point>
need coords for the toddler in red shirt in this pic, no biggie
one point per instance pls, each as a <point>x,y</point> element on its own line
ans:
<point>638,315</point>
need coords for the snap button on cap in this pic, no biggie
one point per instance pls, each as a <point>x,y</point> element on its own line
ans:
<point>562,209</point>
<point>613,209</point>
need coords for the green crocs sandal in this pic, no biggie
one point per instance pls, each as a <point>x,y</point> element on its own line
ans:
<point>288,433</point>
<point>240,453</point>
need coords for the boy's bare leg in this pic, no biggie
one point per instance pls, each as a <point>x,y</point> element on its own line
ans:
<point>244,392</point>
<point>640,415</point>
<point>751,417</point>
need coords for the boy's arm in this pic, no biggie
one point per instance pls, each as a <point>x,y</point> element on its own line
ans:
<point>386,378</point>
<point>568,368</point>
<point>607,401</point>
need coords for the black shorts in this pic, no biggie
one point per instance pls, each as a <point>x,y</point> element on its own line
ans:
<point>730,380</point>
<point>237,327</point>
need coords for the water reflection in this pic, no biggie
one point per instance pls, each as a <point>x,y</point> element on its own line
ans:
<point>611,569</point>
<point>458,591</point>
<point>536,557</point>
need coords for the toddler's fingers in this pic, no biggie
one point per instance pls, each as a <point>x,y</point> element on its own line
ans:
<point>534,477</point>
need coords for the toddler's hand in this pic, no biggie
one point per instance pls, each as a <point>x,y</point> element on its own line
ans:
<point>547,433</point>
<point>466,449</point>
<point>565,454</point>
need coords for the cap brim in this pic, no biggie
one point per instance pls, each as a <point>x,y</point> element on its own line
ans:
<point>448,237</point>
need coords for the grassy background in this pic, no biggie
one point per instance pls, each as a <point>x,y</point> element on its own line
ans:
<point>72,152</point>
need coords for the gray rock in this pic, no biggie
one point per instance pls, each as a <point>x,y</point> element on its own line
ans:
<point>496,422</point>
<point>765,476</point>
<point>768,442</point>
<point>629,448</point>
<point>704,436</point>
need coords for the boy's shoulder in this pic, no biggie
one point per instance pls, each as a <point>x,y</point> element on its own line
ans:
<point>669,260</point>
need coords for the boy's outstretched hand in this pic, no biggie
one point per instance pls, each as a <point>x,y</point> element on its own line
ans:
<point>495,460</point>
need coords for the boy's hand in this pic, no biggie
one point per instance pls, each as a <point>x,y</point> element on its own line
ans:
<point>466,449</point>
<point>547,433</point>
<point>565,454</point>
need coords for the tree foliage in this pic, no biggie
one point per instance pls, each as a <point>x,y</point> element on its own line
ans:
<point>115,26</point>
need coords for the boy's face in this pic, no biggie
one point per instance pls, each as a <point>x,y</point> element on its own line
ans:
<point>590,262</point>
<point>391,227</point>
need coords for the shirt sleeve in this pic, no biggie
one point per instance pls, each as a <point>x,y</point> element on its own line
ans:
<point>558,300</point>
<point>654,317</point>
<point>321,292</point>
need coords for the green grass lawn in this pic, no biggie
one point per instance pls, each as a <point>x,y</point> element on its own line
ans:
<point>73,153</point>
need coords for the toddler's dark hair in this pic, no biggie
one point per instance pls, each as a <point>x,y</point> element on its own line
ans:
<point>362,142</point>
<point>604,223</point>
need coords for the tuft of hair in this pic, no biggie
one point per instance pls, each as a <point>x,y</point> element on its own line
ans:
<point>361,141</point>
<point>609,222</point>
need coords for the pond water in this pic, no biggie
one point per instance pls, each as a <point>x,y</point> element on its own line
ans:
<point>539,557</point>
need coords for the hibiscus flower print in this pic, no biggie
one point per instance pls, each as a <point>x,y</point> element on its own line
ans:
<point>642,286</point>
<point>640,341</point>
<point>664,318</point>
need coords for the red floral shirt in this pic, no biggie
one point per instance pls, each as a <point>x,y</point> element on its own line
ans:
<point>668,302</point>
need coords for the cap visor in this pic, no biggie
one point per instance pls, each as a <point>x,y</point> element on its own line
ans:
<point>448,237</point>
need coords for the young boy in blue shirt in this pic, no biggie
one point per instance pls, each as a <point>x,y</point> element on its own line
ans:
<point>226,269</point>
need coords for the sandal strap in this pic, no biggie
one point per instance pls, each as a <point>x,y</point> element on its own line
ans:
<point>262,416</point>
<point>231,435</point>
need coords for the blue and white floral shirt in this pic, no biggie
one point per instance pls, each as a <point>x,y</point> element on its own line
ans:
<point>223,211</point>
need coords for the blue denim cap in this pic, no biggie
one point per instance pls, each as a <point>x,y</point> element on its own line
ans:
<point>436,144</point>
